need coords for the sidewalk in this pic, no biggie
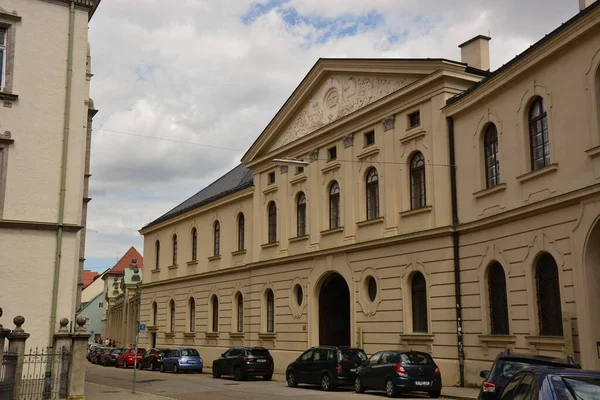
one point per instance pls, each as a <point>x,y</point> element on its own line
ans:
<point>460,393</point>
<point>100,392</point>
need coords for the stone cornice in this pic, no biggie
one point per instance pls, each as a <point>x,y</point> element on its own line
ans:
<point>38,225</point>
<point>91,5</point>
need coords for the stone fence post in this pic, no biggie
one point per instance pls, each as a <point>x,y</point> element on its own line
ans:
<point>62,346</point>
<point>17,339</point>
<point>78,352</point>
<point>3,335</point>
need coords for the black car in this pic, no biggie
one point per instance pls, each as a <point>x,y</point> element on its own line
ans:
<point>508,364</point>
<point>110,357</point>
<point>242,362</point>
<point>328,366</point>
<point>400,371</point>
<point>97,354</point>
<point>153,359</point>
<point>552,383</point>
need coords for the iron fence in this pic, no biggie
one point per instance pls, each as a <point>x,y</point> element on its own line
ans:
<point>45,374</point>
<point>7,375</point>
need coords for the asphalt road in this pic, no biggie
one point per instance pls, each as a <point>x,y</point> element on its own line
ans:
<point>202,386</point>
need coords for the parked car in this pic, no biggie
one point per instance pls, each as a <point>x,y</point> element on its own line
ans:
<point>97,354</point>
<point>110,357</point>
<point>183,359</point>
<point>327,366</point>
<point>127,358</point>
<point>242,362</point>
<point>399,371</point>
<point>506,365</point>
<point>153,359</point>
<point>546,383</point>
<point>91,348</point>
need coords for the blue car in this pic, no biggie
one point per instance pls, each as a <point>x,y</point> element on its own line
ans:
<point>546,383</point>
<point>183,359</point>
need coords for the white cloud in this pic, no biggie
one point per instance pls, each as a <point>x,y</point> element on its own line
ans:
<point>192,70</point>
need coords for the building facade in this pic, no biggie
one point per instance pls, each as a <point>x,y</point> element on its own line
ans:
<point>45,119</point>
<point>401,203</point>
<point>92,312</point>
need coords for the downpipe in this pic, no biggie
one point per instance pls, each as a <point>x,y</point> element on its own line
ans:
<point>456,252</point>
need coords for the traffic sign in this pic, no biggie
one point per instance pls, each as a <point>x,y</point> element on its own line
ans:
<point>142,327</point>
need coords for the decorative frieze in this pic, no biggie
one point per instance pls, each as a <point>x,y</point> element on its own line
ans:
<point>313,155</point>
<point>389,123</point>
<point>283,169</point>
<point>348,140</point>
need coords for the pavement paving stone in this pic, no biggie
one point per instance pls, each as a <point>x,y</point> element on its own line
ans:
<point>94,391</point>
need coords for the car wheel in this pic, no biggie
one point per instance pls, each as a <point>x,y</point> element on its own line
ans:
<point>436,394</point>
<point>326,383</point>
<point>162,367</point>
<point>237,374</point>
<point>216,372</point>
<point>267,377</point>
<point>139,366</point>
<point>390,389</point>
<point>291,379</point>
<point>175,369</point>
<point>358,386</point>
<point>124,364</point>
<point>152,367</point>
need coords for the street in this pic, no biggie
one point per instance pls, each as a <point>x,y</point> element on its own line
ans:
<point>202,386</point>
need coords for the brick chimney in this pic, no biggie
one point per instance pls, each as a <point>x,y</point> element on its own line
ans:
<point>583,4</point>
<point>476,52</point>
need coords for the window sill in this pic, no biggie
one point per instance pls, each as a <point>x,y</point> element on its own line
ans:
<point>418,133</point>
<point>169,334</point>
<point>417,211</point>
<point>499,339</point>
<point>189,335</point>
<point>213,258</point>
<point>331,166</point>
<point>417,337</point>
<point>537,340</point>
<point>552,168</point>
<point>332,231</point>
<point>593,152</point>
<point>236,335</point>
<point>267,335</point>
<point>299,238</point>
<point>501,187</point>
<point>152,328</point>
<point>173,266</point>
<point>155,270</point>
<point>298,179</point>
<point>8,96</point>
<point>269,245</point>
<point>212,334</point>
<point>270,189</point>
<point>238,253</point>
<point>368,152</point>
<point>368,222</point>
<point>193,262</point>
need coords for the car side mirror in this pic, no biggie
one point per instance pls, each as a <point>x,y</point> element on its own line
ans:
<point>484,374</point>
<point>223,355</point>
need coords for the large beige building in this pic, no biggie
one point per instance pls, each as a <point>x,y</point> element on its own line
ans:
<point>45,120</point>
<point>437,206</point>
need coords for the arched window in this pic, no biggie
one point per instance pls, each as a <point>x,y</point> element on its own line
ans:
<point>417,182</point>
<point>241,228</point>
<point>272,222</point>
<point>301,215</point>
<point>194,244</point>
<point>154,313</point>
<point>157,251</point>
<point>372,194</point>
<point>539,142</point>
<point>492,159</point>
<point>172,316</point>
<point>192,312</point>
<point>419,303</point>
<point>548,296</point>
<point>334,205</point>
<point>240,313</point>
<point>174,249</point>
<point>215,314</point>
<point>217,238</point>
<point>270,311</point>
<point>498,300</point>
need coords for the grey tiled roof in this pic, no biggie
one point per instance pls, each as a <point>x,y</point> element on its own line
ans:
<point>235,180</point>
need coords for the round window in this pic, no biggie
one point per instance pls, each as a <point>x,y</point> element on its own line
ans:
<point>299,295</point>
<point>372,288</point>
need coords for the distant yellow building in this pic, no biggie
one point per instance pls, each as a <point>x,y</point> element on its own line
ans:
<point>435,206</point>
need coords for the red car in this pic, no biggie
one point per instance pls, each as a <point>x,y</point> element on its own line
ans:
<point>127,357</point>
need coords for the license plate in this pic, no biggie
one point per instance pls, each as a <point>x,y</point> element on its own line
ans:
<point>422,383</point>
<point>261,360</point>
<point>352,369</point>
<point>191,362</point>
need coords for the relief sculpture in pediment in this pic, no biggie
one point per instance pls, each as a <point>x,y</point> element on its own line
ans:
<point>338,96</point>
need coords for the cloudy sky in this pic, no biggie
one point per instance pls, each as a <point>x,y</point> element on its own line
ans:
<point>184,87</point>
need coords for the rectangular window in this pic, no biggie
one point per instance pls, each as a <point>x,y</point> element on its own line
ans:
<point>299,170</point>
<point>414,119</point>
<point>2,58</point>
<point>332,153</point>
<point>271,178</point>
<point>369,138</point>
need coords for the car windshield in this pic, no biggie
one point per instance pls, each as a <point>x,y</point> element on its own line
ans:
<point>116,351</point>
<point>189,352</point>
<point>415,359</point>
<point>576,387</point>
<point>352,355</point>
<point>258,352</point>
<point>140,351</point>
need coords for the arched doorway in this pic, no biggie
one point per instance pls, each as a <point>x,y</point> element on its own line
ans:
<point>334,312</point>
<point>592,278</point>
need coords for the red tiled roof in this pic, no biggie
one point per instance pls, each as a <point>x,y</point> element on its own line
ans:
<point>125,261</point>
<point>88,277</point>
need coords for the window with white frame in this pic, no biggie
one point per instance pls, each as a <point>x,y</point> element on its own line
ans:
<point>3,36</point>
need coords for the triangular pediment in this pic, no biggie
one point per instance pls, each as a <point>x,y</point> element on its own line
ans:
<point>334,90</point>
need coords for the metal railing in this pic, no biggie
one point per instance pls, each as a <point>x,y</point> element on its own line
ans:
<point>45,374</point>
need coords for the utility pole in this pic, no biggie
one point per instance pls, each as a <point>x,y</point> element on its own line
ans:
<point>137,334</point>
